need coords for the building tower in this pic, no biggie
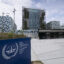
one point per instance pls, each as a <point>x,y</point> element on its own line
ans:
<point>33,19</point>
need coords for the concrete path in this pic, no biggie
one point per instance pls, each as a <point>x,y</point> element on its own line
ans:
<point>49,51</point>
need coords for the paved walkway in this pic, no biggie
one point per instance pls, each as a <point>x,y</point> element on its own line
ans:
<point>49,51</point>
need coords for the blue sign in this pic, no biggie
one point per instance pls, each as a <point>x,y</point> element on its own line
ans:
<point>15,51</point>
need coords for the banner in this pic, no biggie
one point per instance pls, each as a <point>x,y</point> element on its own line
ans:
<point>15,51</point>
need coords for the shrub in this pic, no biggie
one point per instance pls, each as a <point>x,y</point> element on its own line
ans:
<point>10,36</point>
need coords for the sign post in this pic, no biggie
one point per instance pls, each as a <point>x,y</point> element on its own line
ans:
<point>15,51</point>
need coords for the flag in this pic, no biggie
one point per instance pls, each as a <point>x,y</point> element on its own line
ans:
<point>15,51</point>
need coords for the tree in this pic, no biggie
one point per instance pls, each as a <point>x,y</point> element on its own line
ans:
<point>42,22</point>
<point>25,25</point>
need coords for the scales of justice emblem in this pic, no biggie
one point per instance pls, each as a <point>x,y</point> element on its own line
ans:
<point>9,51</point>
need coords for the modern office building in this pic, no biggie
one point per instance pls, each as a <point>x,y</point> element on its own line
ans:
<point>51,34</point>
<point>7,24</point>
<point>62,26</point>
<point>33,19</point>
<point>53,25</point>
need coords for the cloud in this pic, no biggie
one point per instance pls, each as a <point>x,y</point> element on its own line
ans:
<point>5,8</point>
<point>18,4</point>
<point>53,8</point>
<point>39,5</point>
<point>49,1</point>
<point>9,2</point>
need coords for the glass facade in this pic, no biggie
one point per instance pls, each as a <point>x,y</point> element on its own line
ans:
<point>34,20</point>
<point>7,24</point>
<point>53,25</point>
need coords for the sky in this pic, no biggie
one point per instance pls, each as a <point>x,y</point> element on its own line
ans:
<point>54,9</point>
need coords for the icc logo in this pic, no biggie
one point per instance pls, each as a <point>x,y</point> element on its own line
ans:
<point>9,51</point>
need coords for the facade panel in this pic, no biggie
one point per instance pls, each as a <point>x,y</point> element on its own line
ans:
<point>33,18</point>
<point>7,24</point>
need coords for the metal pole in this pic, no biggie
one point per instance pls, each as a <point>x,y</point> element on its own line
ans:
<point>14,13</point>
<point>2,28</point>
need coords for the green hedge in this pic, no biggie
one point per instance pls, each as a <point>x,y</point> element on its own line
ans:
<point>37,62</point>
<point>10,36</point>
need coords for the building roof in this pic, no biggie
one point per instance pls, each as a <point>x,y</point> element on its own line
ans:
<point>59,30</point>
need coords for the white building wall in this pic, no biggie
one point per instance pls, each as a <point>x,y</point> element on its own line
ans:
<point>31,33</point>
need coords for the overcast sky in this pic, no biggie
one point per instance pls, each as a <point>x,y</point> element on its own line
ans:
<point>54,9</point>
